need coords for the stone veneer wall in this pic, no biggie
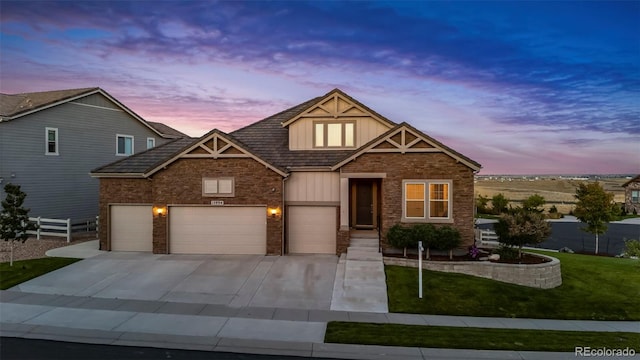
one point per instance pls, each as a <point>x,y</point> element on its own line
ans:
<point>543,276</point>
<point>630,206</point>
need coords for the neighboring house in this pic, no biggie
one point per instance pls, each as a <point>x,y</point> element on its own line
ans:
<point>50,141</point>
<point>632,195</point>
<point>296,182</point>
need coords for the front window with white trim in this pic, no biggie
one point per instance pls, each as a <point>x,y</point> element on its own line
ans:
<point>51,141</point>
<point>124,145</point>
<point>220,187</point>
<point>151,142</point>
<point>426,200</point>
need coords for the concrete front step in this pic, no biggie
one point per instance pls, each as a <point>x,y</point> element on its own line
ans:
<point>361,242</point>
<point>363,254</point>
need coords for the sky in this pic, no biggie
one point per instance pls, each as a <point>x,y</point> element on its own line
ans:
<point>520,87</point>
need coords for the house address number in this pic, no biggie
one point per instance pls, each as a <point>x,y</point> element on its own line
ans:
<point>217,202</point>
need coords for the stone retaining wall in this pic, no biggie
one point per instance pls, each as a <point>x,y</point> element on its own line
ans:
<point>543,276</point>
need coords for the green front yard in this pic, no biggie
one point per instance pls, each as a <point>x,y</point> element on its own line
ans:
<point>593,287</point>
<point>24,270</point>
<point>476,338</point>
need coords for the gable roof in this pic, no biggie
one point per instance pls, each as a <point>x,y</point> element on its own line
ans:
<point>14,106</point>
<point>267,141</point>
<point>635,179</point>
<point>419,142</point>
<point>167,130</point>
<point>336,95</point>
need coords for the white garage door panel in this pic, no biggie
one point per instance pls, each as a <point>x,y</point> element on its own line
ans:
<point>312,229</point>
<point>219,230</point>
<point>131,228</point>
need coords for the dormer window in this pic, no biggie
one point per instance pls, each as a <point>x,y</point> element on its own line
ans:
<point>339,134</point>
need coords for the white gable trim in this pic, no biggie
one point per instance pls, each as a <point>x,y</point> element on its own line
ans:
<point>215,153</point>
<point>403,147</point>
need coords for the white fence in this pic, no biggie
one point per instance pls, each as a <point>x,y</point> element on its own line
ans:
<point>486,237</point>
<point>61,227</point>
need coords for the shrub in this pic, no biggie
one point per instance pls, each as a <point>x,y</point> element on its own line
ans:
<point>632,248</point>
<point>533,203</point>
<point>399,237</point>
<point>426,233</point>
<point>448,238</point>
<point>507,252</point>
<point>481,204</point>
<point>553,209</point>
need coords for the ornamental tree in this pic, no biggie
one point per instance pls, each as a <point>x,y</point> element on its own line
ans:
<point>522,228</point>
<point>14,218</point>
<point>534,203</point>
<point>595,207</point>
<point>499,203</point>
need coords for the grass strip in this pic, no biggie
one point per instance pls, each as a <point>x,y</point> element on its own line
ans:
<point>593,288</point>
<point>475,338</point>
<point>24,270</point>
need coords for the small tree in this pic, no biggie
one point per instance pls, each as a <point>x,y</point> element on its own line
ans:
<point>400,237</point>
<point>499,203</point>
<point>522,228</point>
<point>595,207</point>
<point>481,204</point>
<point>533,203</point>
<point>14,219</point>
<point>426,233</point>
<point>447,239</point>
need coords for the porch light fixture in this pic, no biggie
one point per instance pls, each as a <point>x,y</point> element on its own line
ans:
<point>273,212</point>
<point>159,211</point>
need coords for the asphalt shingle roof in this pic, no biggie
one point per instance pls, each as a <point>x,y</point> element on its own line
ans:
<point>15,104</point>
<point>167,130</point>
<point>146,160</point>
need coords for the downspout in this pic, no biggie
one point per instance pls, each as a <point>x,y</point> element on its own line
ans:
<point>282,214</point>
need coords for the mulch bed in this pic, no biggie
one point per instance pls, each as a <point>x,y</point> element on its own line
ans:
<point>527,259</point>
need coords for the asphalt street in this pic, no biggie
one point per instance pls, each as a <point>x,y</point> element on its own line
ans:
<point>569,234</point>
<point>33,349</point>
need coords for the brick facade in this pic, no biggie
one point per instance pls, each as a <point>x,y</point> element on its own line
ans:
<point>630,206</point>
<point>429,166</point>
<point>181,183</point>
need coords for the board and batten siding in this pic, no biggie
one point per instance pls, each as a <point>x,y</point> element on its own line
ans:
<point>301,131</point>
<point>313,186</point>
<point>60,186</point>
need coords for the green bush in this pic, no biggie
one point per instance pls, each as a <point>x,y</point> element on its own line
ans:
<point>632,248</point>
<point>507,252</point>
<point>427,233</point>
<point>447,238</point>
<point>399,237</point>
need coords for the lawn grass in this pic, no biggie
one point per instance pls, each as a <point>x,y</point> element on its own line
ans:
<point>475,338</point>
<point>24,270</point>
<point>593,287</point>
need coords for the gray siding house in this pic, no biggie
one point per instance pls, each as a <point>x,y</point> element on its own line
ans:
<point>49,141</point>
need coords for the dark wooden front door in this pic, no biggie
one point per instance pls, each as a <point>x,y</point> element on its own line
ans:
<point>364,204</point>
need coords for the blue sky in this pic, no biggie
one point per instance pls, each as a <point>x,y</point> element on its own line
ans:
<point>521,87</point>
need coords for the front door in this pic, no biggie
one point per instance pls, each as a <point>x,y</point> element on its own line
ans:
<point>364,204</point>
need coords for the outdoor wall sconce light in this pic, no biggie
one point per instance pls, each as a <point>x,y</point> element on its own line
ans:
<point>273,212</point>
<point>159,211</point>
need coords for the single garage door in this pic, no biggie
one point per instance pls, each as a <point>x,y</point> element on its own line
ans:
<point>218,230</point>
<point>312,229</point>
<point>131,228</point>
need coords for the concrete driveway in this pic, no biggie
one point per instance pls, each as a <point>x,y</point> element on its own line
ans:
<point>298,282</point>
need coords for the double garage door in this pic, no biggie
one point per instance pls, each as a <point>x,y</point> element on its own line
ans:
<point>192,229</point>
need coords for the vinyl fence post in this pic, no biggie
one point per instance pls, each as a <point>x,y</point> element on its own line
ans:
<point>38,229</point>
<point>68,230</point>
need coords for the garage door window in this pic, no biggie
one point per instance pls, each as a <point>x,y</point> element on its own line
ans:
<point>219,187</point>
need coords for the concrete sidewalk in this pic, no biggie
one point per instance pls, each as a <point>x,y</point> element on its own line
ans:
<point>244,329</point>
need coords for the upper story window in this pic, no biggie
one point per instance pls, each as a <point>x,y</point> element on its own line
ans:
<point>334,134</point>
<point>426,200</point>
<point>51,141</point>
<point>151,142</point>
<point>124,145</point>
